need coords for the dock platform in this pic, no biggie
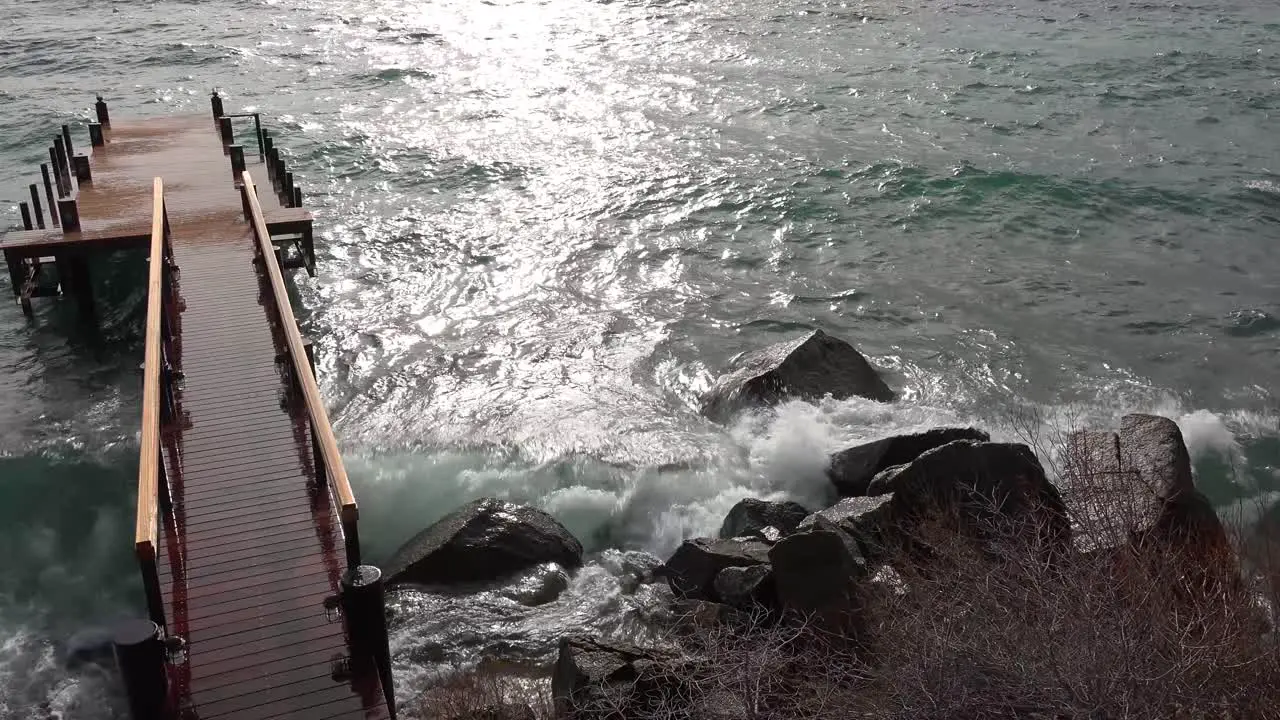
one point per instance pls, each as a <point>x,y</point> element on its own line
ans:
<point>246,526</point>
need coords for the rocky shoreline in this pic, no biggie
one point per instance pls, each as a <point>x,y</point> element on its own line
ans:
<point>907,510</point>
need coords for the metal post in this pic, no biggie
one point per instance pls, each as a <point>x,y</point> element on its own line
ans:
<point>70,215</point>
<point>103,116</point>
<point>140,655</point>
<point>26,216</point>
<point>66,138</point>
<point>237,159</point>
<point>48,193</point>
<point>224,127</point>
<point>96,138</point>
<point>84,174</point>
<point>35,205</point>
<point>215,100</point>
<point>64,167</point>
<point>363,608</point>
<point>57,174</point>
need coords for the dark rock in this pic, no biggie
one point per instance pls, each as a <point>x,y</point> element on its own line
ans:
<point>89,646</point>
<point>536,586</point>
<point>483,541</point>
<point>505,711</point>
<point>851,470</point>
<point>750,517</point>
<point>985,489</point>
<point>593,678</point>
<point>693,567</point>
<point>746,588</point>
<point>869,520</point>
<point>817,572</point>
<point>810,368</point>
<point>1138,487</point>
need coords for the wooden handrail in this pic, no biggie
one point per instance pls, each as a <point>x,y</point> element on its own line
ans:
<point>321,428</point>
<point>145,533</point>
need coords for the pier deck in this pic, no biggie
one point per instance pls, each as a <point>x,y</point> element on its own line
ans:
<point>245,520</point>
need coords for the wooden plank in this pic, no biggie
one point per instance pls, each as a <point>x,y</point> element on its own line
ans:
<point>149,452</point>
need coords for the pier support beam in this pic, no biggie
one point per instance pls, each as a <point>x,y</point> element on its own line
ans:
<point>363,606</point>
<point>140,654</point>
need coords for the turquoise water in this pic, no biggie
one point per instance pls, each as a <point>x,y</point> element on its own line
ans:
<point>546,225</point>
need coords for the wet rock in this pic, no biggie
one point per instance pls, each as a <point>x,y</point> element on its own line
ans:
<point>750,517</point>
<point>817,572</point>
<point>869,520</point>
<point>693,567</point>
<point>633,568</point>
<point>982,489</point>
<point>746,588</point>
<point>810,368</point>
<point>537,586</point>
<point>852,470</point>
<point>484,541</point>
<point>89,646</point>
<point>593,678</point>
<point>1153,446</point>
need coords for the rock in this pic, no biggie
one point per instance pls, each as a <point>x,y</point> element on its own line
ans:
<point>1153,446</point>
<point>593,678</point>
<point>810,368</point>
<point>750,517</point>
<point>691,617</point>
<point>89,646</point>
<point>746,588</point>
<point>505,711</point>
<point>869,520</point>
<point>817,573</point>
<point>538,585</point>
<point>1138,487</point>
<point>986,489</point>
<point>693,567</point>
<point>851,470</point>
<point>484,541</point>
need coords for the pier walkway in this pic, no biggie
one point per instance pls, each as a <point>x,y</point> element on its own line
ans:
<point>246,526</point>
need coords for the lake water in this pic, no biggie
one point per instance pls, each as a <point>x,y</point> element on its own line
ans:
<point>545,226</point>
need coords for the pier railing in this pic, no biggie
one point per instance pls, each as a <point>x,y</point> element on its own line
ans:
<point>158,403</point>
<point>329,467</point>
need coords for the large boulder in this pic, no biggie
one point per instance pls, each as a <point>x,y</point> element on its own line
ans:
<point>1137,487</point>
<point>810,368</point>
<point>870,521</point>
<point>750,517</point>
<point>483,541</point>
<point>817,573</point>
<point>984,490</point>
<point>597,679</point>
<point>852,469</point>
<point>692,569</point>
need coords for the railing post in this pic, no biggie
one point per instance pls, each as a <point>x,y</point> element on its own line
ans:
<point>215,100</point>
<point>66,139</point>
<point>35,206</point>
<point>237,159</point>
<point>224,128</point>
<point>96,138</point>
<point>297,196</point>
<point>26,216</point>
<point>363,606</point>
<point>140,654</point>
<point>103,116</point>
<point>48,194</point>
<point>257,129</point>
<point>69,212</point>
<point>84,173</point>
<point>244,202</point>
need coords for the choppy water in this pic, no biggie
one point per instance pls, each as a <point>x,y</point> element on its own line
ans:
<point>546,225</point>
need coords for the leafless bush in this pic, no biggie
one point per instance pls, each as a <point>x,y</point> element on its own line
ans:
<point>477,694</point>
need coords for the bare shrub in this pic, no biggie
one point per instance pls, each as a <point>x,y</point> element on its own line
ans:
<point>473,693</point>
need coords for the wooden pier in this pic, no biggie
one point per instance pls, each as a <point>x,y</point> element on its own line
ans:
<point>246,524</point>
